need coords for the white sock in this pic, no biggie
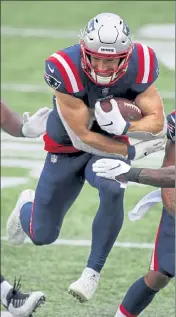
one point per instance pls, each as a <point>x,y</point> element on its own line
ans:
<point>5,288</point>
<point>119,314</point>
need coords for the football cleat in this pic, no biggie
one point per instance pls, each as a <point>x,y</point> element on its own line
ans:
<point>15,233</point>
<point>85,287</point>
<point>5,314</point>
<point>23,304</point>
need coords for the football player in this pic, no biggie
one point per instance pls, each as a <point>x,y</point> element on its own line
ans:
<point>105,64</point>
<point>17,303</point>
<point>162,267</point>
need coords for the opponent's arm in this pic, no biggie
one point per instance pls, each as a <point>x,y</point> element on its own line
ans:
<point>11,122</point>
<point>160,177</point>
<point>76,114</point>
<point>30,127</point>
<point>123,172</point>
<point>163,177</point>
<point>169,194</point>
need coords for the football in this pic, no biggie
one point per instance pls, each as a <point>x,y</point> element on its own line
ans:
<point>128,109</point>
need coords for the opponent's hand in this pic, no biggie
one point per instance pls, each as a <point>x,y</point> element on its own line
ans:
<point>145,148</point>
<point>112,121</point>
<point>110,168</point>
<point>35,125</point>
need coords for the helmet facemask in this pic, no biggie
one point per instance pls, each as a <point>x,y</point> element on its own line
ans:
<point>106,37</point>
<point>112,75</point>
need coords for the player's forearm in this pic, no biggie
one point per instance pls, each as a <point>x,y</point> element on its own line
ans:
<point>89,149</point>
<point>104,143</point>
<point>13,125</point>
<point>162,177</point>
<point>150,123</point>
<point>11,122</point>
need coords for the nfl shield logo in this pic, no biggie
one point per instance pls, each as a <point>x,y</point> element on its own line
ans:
<point>54,158</point>
<point>105,91</point>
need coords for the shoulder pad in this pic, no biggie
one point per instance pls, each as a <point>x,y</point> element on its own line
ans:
<point>62,73</point>
<point>146,64</point>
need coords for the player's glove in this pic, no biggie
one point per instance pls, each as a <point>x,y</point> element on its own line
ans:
<point>110,168</point>
<point>144,148</point>
<point>35,125</point>
<point>112,121</point>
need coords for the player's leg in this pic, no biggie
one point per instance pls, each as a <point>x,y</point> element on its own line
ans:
<point>109,217</point>
<point>17,303</point>
<point>105,229</point>
<point>58,187</point>
<point>162,269</point>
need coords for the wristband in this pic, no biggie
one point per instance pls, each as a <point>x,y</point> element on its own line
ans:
<point>131,152</point>
<point>133,175</point>
<point>126,128</point>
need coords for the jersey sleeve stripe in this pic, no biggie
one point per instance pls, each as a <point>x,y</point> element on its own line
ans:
<point>73,68</point>
<point>152,64</point>
<point>140,74</point>
<point>145,64</point>
<point>63,73</point>
<point>68,71</point>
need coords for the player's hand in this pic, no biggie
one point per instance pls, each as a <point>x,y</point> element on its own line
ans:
<point>112,121</point>
<point>145,148</point>
<point>35,125</point>
<point>110,168</point>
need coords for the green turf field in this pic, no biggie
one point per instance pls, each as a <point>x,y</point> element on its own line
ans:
<point>53,268</point>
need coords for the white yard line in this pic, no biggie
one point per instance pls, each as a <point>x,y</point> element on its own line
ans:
<point>45,33</point>
<point>25,88</point>
<point>87,243</point>
<point>9,182</point>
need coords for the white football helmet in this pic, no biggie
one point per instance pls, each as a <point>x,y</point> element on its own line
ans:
<point>106,36</point>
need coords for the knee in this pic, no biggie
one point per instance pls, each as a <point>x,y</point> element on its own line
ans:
<point>110,188</point>
<point>44,235</point>
<point>156,280</point>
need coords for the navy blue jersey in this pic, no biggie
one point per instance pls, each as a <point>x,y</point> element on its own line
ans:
<point>63,71</point>
<point>171,126</point>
